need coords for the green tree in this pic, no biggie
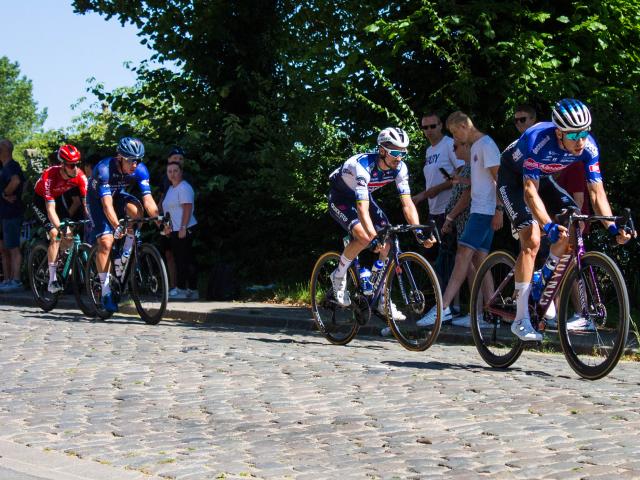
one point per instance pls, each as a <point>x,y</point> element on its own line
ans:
<point>19,115</point>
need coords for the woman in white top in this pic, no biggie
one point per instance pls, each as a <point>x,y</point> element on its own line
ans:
<point>179,203</point>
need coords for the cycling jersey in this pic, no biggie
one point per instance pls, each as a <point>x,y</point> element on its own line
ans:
<point>107,180</point>
<point>360,175</point>
<point>52,184</point>
<point>537,154</point>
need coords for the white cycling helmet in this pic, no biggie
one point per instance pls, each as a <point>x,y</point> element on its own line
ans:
<point>395,136</point>
<point>571,114</point>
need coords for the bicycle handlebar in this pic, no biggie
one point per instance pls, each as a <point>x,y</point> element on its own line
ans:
<point>165,219</point>
<point>571,214</point>
<point>427,230</point>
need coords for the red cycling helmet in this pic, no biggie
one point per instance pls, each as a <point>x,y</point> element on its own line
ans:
<point>68,154</point>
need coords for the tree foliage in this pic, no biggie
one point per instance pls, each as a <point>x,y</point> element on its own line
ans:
<point>269,96</point>
<point>19,115</point>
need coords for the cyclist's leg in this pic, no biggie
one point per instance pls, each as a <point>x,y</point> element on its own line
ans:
<point>40,210</point>
<point>380,220</point>
<point>130,205</point>
<point>511,190</point>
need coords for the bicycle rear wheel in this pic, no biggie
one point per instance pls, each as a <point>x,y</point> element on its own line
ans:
<point>491,321</point>
<point>337,324</point>
<point>83,297</point>
<point>594,348</point>
<point>149,284</point>
<point>93,287</point>
<point>413,288</point>
<point>39,278</point>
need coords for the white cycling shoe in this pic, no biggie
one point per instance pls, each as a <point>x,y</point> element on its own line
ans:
<point>524,331</point>
<point>340,293</point>
<point>396,314</point>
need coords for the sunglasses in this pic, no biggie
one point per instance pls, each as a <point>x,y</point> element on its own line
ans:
<point>70,165</point>
<point>396,153</point>
<point>429,127</point>
<point>577,135</point>
<point>131,159</point>
<point>519,119</point>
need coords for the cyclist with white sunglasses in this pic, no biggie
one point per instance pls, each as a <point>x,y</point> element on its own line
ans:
<point>353,207</point>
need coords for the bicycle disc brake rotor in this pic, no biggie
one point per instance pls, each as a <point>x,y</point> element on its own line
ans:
<point>361,309</point>
<point>417,302</point>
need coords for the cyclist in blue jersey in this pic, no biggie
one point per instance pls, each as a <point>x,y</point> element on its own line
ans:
<point>353,207</point>
<point>544,149</point>
<point>108,201</point>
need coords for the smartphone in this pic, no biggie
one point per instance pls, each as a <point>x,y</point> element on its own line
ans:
<point>445,173</point>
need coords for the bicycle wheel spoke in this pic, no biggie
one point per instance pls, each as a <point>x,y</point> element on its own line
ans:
<point>412,290</point>
<point>492,310</point>
<point>594,316</point>
<point>337,324</point>
<point>149,284</point>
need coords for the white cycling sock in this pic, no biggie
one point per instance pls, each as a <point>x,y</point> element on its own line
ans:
<point>52,272</point>
<point>343,266</point>
<point>522,302</point>
<point>104,283</point>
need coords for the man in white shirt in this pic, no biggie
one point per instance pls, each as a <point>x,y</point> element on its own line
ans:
<point>439,155</point>
<point>485,216</point>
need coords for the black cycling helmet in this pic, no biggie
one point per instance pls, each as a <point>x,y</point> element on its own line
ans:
<point>130,147</point>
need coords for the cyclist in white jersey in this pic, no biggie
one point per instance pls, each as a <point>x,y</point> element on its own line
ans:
<point>353,207</point>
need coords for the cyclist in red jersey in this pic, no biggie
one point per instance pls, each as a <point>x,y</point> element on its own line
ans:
<point>49,208</point>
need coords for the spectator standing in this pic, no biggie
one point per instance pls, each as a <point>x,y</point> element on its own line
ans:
<point>485,215</point>
<point>179,203</point>
<point>11,213</point>
<point>524,117</point>
<point>176,155</point>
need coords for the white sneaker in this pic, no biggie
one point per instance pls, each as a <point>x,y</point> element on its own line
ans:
<point>385,332</point>
<point>524,331</point>
<point>430,317</point>
<point>396,314</point>
<point>340,293</point>
<point>577,323</point>
<point>551,311</point>
<point>464,321</point>
<point>177,294</point>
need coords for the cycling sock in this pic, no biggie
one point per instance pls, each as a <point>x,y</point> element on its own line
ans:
<point>522,302</point>
<point>341,271</point>
<point>52,272</point>
<point>104,283</point>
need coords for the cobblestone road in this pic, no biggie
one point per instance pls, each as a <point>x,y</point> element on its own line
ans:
<point>190,402</point>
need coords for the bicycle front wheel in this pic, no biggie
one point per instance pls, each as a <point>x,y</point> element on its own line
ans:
<point>492,309</point>
<point>39,278</point>
<point>411,290</point>
<point>593,316</point>
<point>337,324</point>
<point>149,284</point>
<point>83,296</point>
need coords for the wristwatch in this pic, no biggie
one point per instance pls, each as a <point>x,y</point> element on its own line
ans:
<point>499,208</point>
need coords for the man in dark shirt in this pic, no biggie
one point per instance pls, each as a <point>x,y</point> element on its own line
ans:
<point>11,214</point>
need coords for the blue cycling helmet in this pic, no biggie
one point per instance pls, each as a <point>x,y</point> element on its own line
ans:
<point>130,147</point>
<point>571,114</point>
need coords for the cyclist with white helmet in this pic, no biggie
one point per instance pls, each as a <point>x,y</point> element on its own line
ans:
<point>108,202</point>
<point>542,150</point>
<point>353,207</point>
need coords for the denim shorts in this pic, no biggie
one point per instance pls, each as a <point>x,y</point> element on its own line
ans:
<point>478,233</point>
<point>11,232</point>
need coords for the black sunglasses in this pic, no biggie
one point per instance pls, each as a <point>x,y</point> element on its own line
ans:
<point>429,127</point>
<point>520,119</point>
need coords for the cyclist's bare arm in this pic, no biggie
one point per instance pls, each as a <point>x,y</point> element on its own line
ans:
<point>109,212</point>
<point>150,205</point>
<point>601,206</point>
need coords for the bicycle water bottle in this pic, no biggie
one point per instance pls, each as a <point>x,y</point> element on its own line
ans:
<point>548,268</point>
<point>365,281</point>
<point>376,271</point>
<point>537,285</point>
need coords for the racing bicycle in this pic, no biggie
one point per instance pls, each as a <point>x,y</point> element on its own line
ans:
<point>589,286</point>
<point>406,279</point>
<point>70,270</point>
<point>143,273</point>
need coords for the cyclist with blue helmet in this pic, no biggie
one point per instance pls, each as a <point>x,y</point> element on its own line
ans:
<point>544,149</point>
<point>108,202</point>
